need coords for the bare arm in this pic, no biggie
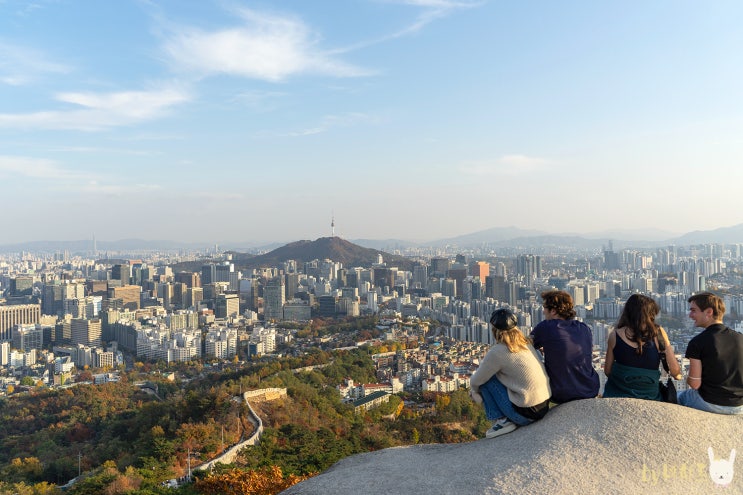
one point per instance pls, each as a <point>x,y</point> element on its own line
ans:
<point>674,369</point>
<point>609,360</point>
<point>694,380</point>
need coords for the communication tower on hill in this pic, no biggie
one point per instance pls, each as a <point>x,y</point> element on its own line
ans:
<point>332,225</point>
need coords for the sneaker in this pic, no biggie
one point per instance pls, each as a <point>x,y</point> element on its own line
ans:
<point>500,427</point>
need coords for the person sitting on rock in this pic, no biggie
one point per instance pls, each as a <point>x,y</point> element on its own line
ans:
<point>511,381</point>
<point>715,360</point>
<point>567,345</point>
<point>632,356</point>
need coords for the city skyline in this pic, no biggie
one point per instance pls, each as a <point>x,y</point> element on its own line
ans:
<point>408,119</point>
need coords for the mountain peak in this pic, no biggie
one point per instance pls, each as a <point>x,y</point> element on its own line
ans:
<point>333,248</point>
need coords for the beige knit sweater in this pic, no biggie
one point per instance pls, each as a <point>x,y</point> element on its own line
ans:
<point>521,372</point>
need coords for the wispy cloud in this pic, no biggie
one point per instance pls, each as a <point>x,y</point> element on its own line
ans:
<point>100,110</point>
<point>35,168</point>
<point>20,65</point>
<point>431,11</point>
<point>505,165</point>
<point>41,170</point>
<point>95,187</point>
<point>218,196</point>
<point>328,123</point>
<point>260,100</point>
<point>92,149</point>
<point>265,47</point>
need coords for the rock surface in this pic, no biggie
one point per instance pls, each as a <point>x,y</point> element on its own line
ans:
<point>595,446</point>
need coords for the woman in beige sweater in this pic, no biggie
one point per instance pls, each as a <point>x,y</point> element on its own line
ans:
<point>511,381</point>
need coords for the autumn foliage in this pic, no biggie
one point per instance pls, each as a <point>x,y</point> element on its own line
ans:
<point>267,481</point>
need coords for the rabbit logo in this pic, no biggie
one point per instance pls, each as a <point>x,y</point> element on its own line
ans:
<point>721,470</point>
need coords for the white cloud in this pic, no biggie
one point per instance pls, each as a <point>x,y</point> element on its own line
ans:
<point>328,123</point>
<point>100,110</point>
<point>261,100</point>
<point>432,10</point>
<point>266,47</point>
<point>505,165</point>
<point>95,187</point>
<point>440,4</point>
<point>35,168</point>
<point>219,196</point>
<point>60,178</point>
<point>20,65</point>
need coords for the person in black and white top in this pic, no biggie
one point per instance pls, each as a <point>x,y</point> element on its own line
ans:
<point>715,360</point>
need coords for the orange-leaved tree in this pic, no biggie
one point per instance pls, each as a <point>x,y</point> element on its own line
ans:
<point>268,481</point>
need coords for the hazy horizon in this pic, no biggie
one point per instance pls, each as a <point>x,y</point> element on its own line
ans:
<point>618,235</point>
<point>399,119</point>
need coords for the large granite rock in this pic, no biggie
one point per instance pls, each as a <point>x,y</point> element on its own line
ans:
<point>596,446</point>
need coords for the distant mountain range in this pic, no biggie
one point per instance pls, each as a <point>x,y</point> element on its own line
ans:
<point>515,237</point>
<point>496,237</point>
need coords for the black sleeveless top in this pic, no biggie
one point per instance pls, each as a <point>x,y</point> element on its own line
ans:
<point>627,355</point>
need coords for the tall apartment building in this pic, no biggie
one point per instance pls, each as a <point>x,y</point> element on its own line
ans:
<point>22,285</point>
<point>227,306</point>
<point>122,273</point>
<point>129,295</point>
<point>21,314</point>
<point>273,300</point>
<point>480,269</point>
<point>27,337</point>
<point>85,332</point>
<point>191,279</point>
<point>439,267</point>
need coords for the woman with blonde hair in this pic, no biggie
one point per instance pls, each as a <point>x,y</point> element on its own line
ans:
<point>633,356</point>
<point>511,381</point>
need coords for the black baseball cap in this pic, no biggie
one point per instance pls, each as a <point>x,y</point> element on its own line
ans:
<point>503,319</point>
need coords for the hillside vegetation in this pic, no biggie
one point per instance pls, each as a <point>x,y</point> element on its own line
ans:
<point>124,440</point>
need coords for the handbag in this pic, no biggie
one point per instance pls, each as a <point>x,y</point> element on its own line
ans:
<point>668,389</point>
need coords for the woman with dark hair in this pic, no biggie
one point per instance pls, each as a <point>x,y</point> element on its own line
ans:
<point>632,355</point>
<point>511,381</point>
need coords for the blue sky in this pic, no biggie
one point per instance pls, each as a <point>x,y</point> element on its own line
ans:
<point>221,121</point>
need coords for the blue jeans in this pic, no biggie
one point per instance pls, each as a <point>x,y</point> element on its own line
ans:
<point>691,398</point>
<point>497,404</point>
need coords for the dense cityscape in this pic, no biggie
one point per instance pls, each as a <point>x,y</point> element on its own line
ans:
<point>64,313</point>
<point>85,319</point>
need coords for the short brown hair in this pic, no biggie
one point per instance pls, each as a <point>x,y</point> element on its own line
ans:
<point>560,301</point>
<point>706,300</point>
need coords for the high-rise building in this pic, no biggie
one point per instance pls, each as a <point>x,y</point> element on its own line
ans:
<point>480,269</point>
<point>122,272</point>
<point>420,276</point>
<point>291,285</point>
<point>227,306</point>
<point>27,337</point>
<point>273,299</point>
<point>20,314</point>
<point>86,332</point>
<point>129,295</point>
<point>21,286</point>
<point>327,305</point>
<point>458,272</point>
<point>191,279</point>
<point>51,299</point>
<point>496,287</point>
<point>439,267</point>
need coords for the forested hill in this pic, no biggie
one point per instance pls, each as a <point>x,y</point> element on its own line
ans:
<point>332,248</point>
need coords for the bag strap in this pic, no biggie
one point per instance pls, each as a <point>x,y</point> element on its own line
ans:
<point>660,343</point>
